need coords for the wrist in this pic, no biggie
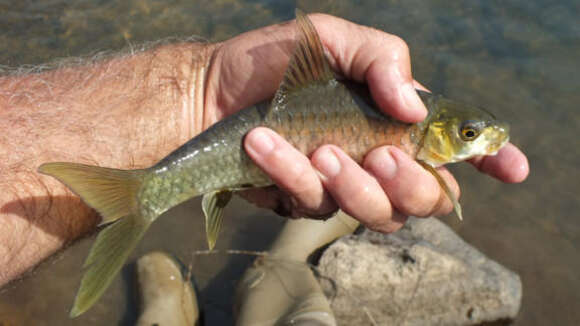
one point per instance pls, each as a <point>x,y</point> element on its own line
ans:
<point>177,82</point>
<point>167,107</point>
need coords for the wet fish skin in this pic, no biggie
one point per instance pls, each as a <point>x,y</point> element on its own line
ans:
<point>211,161</point>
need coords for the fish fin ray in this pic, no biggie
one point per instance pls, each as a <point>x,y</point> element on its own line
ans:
<point>445,187</point>
<point>308,64</point>
<point>114,194</point>
<point>111,192</point>
<point>108,254</point>
<point>213,205</point>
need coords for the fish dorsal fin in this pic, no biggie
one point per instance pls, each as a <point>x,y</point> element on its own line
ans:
<point>308,64</point>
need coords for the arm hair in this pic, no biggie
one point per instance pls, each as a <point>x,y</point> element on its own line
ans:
<point>124,111</point>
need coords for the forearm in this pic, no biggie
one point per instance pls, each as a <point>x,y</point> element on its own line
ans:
<point>126,111</point>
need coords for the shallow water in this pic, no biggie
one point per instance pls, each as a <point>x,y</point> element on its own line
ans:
<point>518,58</point>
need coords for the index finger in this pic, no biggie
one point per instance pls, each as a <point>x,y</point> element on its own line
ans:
<point>509,165</point>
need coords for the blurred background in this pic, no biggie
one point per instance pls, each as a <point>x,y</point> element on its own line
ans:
<point>518,58</point>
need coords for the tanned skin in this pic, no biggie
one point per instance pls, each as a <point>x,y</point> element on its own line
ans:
<point>124,112</point>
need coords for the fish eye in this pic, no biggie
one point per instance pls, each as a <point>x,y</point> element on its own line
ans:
<point>468,132</point>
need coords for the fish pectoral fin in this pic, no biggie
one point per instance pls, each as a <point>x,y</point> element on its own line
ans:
<point>308,64</point>
<point>213,205</point>
<point>107,256</point>
<point>445,187</point>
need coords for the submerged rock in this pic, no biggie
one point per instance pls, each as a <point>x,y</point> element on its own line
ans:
<point>424,274</point>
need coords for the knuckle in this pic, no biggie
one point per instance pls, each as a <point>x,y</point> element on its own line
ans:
<point>387,224</point>
<point>358,193</point>
<point>375,215</point>
<point>299,180</point>
<point>288,164</point>
<point>383,226</point>
<point>398,46</point>
<point>444,206</point>
<point>420,201</point>
<point>456,190</point>
<point>304,189</point>
<point>324,210</point>
<point>296,176</point>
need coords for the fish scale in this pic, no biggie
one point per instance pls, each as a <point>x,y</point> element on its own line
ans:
<point>205,163</point>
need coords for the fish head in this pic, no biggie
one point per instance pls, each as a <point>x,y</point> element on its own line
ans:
<point>454,131</point>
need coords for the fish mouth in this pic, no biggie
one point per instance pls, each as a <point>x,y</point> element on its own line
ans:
<point>493,149</point>
<point>501,133</point>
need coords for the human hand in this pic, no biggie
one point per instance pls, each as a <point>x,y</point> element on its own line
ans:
<point>389,186</point>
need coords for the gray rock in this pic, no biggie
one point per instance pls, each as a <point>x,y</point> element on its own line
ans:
<point>423,274</point>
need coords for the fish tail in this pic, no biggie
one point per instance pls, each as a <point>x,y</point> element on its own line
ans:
<point>111,192</point>
<point>114,194</point>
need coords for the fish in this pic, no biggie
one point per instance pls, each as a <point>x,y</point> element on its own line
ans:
<point>311,107</point>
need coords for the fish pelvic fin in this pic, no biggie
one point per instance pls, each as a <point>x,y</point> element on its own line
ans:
<point>107,256</point>
<point>114,194</point>
<point>213,205</point>
<point>111,192</point>
<point>308,64</point>
<point>445,187</point>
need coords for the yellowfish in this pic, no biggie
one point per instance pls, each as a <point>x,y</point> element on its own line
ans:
<point>311,108</point>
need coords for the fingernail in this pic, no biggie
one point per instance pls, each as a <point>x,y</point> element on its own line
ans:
<point>260,142</point>
<point>412,99</point>
<point>327,163</point>
<point>383,164</point>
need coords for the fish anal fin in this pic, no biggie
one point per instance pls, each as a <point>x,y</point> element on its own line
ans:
<point>213,205</point>
<point>308,64</point>
<point>107,256</point>
<point>445,187</point>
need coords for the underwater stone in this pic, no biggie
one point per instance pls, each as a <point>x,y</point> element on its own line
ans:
<point>424,274</point>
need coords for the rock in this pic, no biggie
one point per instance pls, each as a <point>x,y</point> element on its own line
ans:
<point>424,274</point>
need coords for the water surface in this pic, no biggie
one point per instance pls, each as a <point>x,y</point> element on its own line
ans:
<point>518,58</point>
